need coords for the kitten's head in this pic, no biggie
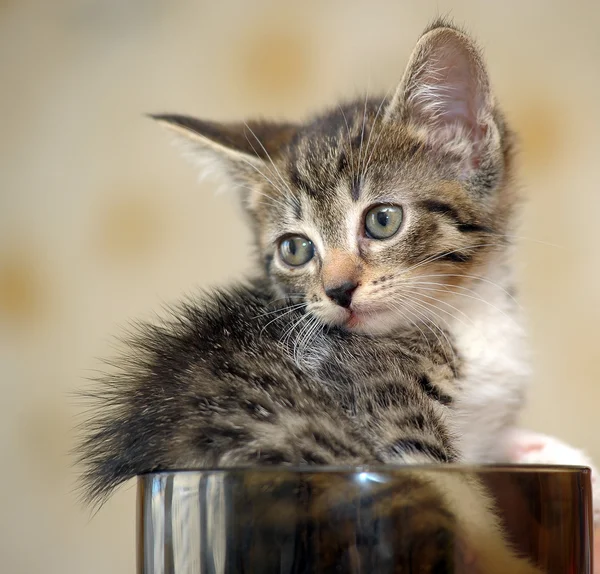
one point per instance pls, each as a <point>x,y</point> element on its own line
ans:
<point>375,214</point>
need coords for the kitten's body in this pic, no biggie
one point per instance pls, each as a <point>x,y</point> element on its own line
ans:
<point>218,387</point>
<point>383,329</point>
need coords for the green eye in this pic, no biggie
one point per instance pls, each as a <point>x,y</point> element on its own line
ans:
<point>296,250</point>
<point>383,221</point>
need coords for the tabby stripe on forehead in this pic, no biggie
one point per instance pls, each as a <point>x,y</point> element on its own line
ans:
<point>342,165</point>
<point>355,187</point>
<point>300,182</point>
<point>435,206</point>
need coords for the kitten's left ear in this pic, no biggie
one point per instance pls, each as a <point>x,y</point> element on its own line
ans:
<point>241,152</point>
<point>445,92</point>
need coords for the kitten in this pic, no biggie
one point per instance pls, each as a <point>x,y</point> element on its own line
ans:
<point>218,386</point>
<point>381,329</point>
<point>388,213</point>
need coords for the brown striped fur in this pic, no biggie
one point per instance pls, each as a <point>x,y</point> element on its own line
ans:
<point>280,371</point>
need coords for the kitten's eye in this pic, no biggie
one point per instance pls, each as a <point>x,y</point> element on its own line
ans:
<point>296,250</point>
<point>383,221</point>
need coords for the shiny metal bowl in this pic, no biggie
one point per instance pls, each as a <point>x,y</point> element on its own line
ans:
<point>375,520</point>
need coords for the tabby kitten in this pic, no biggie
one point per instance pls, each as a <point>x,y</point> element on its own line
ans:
<point>383,317</point>
<point>396,213</point>
<point>381,328</point>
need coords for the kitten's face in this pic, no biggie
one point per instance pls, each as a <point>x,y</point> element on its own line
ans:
<point>369,228</point>
<point>375,216</point>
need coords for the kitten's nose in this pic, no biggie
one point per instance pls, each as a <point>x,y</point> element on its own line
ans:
<point>342,294</point>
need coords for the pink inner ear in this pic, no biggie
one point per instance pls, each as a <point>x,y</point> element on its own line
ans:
<point>445,91</point>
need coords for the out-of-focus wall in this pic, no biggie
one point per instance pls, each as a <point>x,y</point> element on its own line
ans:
<point>102,222</point>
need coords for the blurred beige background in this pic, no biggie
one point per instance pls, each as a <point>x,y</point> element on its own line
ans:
<point>102,222</point>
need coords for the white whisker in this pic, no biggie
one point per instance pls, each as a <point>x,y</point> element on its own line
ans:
<point>445,288</point>
<point>302,339</point>
<point>521,237</point>
<point>418,292</point>
<point>414,323</point>
<point>280,310</point>
<point>349,139</point>
<point>254,190</point>
<point>269,180</point>
<point>429,323</point>
<point>317,326</point>
<point>362,133</point>
<point>289,331</point>
<point>427,303</point>
<point>433,258</point>
<point>368,162</point>
<point>295,308</point>
<point>475,278</point>
<point>292,196</point>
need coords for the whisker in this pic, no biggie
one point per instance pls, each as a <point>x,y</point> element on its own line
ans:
<point>417,292</point>
<point>349,139</point>
<point>379,133</point>
<point>521,237</point>
<point>319,327</point>
<point>415,324</point>
<point>362,133</point>
<point>278,317</point>
<point>310,336</point>
<point>300,338</point>
<point>449,289</point>
<point>476,278</point>
<point>267,179</point>
<point>433,258</point>
<point>431,306</point>
<point>292,196</point>
<point>288,333</point>
<point>292,307</point>
<point>254,190</point>
<point>429,323</point>
<point>289,297</point>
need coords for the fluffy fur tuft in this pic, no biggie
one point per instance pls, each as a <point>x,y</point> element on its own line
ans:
<point>217,386</point>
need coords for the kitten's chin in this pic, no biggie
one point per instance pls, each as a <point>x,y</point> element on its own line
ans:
<point>370,322</point>
<point>367,321</point>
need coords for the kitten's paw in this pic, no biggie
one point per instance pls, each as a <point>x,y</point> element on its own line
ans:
<point>528,447</point>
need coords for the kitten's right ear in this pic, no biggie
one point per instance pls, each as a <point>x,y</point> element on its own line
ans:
<point>242,152</point>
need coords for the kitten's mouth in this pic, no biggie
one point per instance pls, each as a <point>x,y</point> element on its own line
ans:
<point>353,319</point>
<point>357,317</point>
<point>371,318</point>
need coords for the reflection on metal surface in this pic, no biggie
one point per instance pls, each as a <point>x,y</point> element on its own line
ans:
<point>377,520</point>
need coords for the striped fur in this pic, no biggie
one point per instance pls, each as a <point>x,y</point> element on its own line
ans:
<point>277,371</point>
<point>216,387</point>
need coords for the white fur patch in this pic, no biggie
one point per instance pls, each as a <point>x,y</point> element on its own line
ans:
<point>496,369</point>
